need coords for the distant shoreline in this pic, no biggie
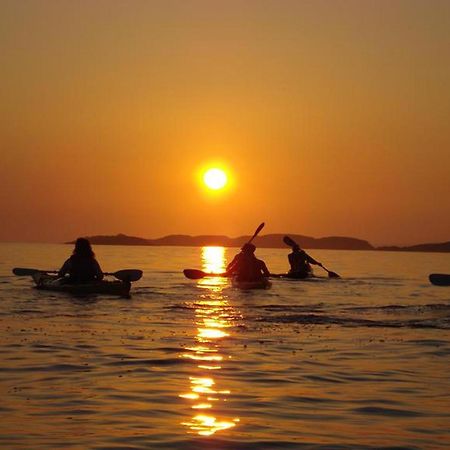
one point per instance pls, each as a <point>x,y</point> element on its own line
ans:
<point>264,241</point>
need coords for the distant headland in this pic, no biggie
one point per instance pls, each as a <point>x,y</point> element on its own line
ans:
<point>265,241</point>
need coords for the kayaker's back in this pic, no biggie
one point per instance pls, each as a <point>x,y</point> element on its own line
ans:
<point>298,261</point>
<point>249,268</point>
<point>82,269</point>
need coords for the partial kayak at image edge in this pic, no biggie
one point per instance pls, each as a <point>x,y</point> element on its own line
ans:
<point>439,279</point>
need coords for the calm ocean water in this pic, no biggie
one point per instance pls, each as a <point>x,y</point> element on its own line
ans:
<point>357,363</point>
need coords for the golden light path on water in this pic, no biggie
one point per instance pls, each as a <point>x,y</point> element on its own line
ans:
<point>213,318</point>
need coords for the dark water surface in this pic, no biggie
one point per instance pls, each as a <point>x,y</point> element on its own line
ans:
<point>357,363</point>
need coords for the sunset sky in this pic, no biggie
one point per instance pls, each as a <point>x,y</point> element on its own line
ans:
<point>328,117</point>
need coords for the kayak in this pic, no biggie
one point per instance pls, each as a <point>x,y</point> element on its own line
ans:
<point>264,283</point>
<point>440,279</point>
<point>53,283</point>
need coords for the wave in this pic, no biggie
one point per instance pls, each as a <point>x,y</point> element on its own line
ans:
<point>315,319</point>
<point>136,443</point>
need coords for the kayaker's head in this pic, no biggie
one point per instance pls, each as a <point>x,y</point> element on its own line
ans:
<point>296,248</point>
<point>248,249</point>
<point>83,248</point>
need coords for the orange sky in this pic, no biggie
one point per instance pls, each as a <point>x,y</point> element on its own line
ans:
<point>332,118</point>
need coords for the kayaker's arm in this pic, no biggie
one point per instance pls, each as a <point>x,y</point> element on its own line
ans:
<point>264,269</point>
<point>99,273</point>
<point>291,259</point>
<point>65,268</point>
<point>311,260</point>
<point>232,266</point>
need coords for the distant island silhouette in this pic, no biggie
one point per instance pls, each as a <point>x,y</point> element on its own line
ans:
<point>265,241</point>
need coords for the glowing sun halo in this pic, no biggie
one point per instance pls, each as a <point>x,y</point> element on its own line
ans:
<point>215,178</point>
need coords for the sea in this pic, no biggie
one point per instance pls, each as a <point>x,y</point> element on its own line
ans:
<point>360,362</point>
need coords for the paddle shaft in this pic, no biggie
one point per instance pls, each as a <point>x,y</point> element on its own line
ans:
<point>124,275</point>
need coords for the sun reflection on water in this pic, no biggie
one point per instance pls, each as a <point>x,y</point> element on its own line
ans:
<point>213,260</point>
<point>213,318</point>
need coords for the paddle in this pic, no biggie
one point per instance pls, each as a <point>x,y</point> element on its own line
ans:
<point>260,227</point>
<point>123,275</point>
<point>291,243</point>
<point>196,274</point>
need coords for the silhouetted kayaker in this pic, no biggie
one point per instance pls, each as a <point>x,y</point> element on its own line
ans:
<point>300,263</point>
<point>246,266</point>
<point>82,267</point>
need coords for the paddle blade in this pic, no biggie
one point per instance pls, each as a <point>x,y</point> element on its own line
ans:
<point>194,274</point>
<point>261,226</point>
<point>128,274</point>
<point>290,242</point>
<point>333,274</point>
<point>22,272</point>
<point>330,273</point>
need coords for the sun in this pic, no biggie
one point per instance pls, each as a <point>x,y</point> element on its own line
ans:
<point>215,178</point>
